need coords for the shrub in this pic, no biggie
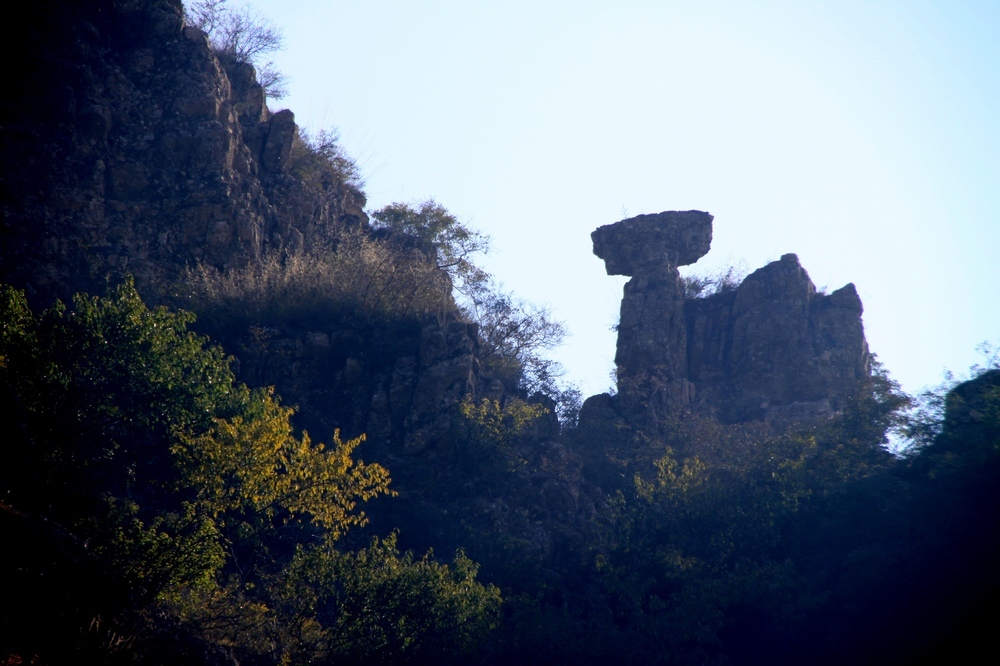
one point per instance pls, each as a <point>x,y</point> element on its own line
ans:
<point>703,286</point>
<point>172,504</point>
<point>492,449</point>
<point>453,243</point>
<point>513,335</point>
<point>926,417</point>
<point>241,35</point>
<point>318,162</point>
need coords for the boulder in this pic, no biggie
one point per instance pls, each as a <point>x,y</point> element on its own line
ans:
<point>648,244</point>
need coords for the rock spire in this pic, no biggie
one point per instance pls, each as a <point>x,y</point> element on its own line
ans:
<point>771,348</point>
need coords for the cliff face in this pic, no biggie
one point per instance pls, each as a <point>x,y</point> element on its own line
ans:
<point>773,348</point>
<point>127,147</point>
<point>400,387</point>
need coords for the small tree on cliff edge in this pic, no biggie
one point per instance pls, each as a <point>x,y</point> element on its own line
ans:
<point>241,35</point>
<point>513,334</point>
<point>454,243</point>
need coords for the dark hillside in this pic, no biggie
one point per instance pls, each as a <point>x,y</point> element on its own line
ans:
<point>164,496</point>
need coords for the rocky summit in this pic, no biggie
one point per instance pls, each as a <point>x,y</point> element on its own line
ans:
<point>771,348</point>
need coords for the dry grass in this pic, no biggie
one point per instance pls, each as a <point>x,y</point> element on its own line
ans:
<point>361,279</point>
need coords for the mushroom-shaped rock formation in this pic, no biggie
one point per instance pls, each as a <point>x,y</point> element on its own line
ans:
<point>771,348</point>
<point>652,349</point>
<point>648,244</point>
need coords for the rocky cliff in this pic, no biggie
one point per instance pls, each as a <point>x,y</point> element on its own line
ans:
<point>128,147</point>
<point>772,348</point>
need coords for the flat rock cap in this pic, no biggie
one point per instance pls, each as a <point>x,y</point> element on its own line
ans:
<point>648,244</point>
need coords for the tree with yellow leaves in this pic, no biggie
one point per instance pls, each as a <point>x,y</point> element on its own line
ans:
<point>158,509</point>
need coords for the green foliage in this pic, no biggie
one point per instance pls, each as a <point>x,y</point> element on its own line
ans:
<point>251,473</point>
<point>492,439</point>
<point>702,545</point>
<point>966,446</point>
<point>424,611</point>
<point>855,445</point>
<point>193,498</point>
<point>146,447</point>
<point>103,390</point>
<point>452,242</point>
<point>925,419</point>
<point>722,494</point>
<point>374,605</point>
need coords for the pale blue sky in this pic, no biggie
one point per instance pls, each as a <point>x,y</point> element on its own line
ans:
<point>862,136</point>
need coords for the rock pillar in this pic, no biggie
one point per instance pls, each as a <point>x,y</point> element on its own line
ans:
<point>651,358</point>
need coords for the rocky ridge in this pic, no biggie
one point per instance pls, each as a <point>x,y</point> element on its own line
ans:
<point>129,148</point>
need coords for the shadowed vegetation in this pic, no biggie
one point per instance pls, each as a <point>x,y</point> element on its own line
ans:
<point>164,511</point>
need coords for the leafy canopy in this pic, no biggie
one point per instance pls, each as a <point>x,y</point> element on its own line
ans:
<point>192,499</point>
<point>453,243</point>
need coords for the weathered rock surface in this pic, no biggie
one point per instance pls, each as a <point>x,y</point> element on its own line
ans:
<point>652,352</point>
<point>772,348</point>
<point>126,146</point>
<point>401,389</point>
<point>651,244</point>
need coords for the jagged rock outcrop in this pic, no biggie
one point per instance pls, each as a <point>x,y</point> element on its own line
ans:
<point>771,348</point>
<point>126,146</point>
<point>774,347</point>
